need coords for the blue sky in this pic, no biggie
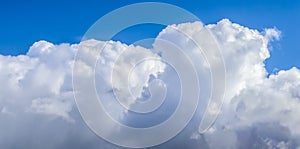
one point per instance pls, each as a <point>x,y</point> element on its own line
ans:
<point>25,22</point>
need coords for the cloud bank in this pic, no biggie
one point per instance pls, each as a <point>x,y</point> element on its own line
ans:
<point>37,107</point>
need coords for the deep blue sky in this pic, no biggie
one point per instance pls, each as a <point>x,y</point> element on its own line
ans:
<point>25,22</point>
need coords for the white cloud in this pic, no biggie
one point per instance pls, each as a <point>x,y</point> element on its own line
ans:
<point>36,99</point>
<point>272,34</point>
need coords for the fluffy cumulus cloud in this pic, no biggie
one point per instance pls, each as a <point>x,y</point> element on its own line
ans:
<point>38,110</point>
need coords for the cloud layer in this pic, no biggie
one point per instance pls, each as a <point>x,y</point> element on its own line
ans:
<point>37,107</point>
